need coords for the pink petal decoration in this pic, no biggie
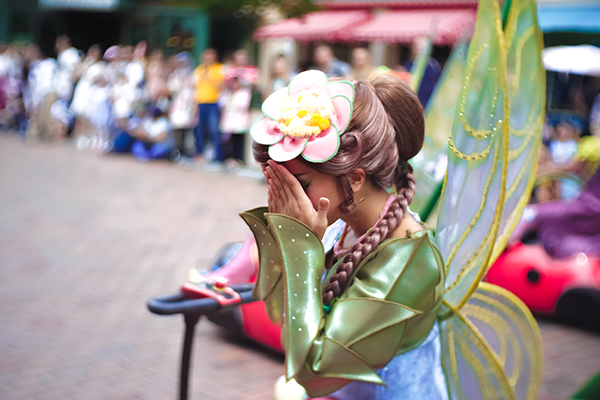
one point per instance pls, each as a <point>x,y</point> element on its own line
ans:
<point>287,149</point>
<point>306,80</point>
<point>272,105</point>
<point>321,148</point>
<point>339,88</point>
<point>265,132</point>
<point>343,113</point>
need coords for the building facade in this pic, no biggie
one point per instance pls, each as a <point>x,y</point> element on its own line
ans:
<point>107,22</point>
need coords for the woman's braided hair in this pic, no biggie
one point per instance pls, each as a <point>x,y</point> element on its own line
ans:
<point>386,130</point>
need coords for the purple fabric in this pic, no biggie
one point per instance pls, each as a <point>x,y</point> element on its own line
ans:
<point>569,228</point>
<point>155,152</point>
<point>3,84</point>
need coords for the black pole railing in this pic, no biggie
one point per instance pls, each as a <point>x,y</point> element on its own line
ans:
<point>192,311</point>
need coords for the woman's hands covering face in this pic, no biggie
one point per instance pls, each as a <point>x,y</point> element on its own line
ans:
<point>286,196</point>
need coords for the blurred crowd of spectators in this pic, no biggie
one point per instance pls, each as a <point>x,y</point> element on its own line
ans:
<point>123,100</point>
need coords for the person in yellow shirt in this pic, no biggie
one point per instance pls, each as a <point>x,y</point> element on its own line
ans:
<point>208,78</point>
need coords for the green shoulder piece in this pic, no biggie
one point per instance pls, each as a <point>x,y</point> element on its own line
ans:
<point>303,260</point>
<point>269,283</point>
<point>398,282</point>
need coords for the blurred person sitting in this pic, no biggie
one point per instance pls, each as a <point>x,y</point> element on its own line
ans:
<point>563,148</point>
<point>325,61</point>
<point>566,228</point>
<point>208,78</point>
<point>235,120</point>
<point>124,136</point>
<point>11,85</point>
<point>432,70</point>
<point>153,138</point>
<point>124,93</point>
<point>362,65</point>
<point>183,114</point>
<point>547,190</point>
<point>13,88</point>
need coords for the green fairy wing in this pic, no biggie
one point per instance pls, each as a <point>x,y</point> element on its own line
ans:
<point>492,348</point>
<point>474,187</point>
<point>441,107</point>
<point>494,144</point>
<point>526,84</point>
<point>430,164</point>
<point>490,342</point>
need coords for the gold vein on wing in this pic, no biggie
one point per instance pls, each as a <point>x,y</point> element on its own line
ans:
<point>480,210</point>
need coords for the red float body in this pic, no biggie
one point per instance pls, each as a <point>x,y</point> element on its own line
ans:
<point>554,276</point>
<point>252,317</point>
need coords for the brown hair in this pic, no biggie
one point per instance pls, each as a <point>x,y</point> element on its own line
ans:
<point>386,130</point>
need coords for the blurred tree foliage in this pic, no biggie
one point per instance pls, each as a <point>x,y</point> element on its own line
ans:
<point>248,8</point>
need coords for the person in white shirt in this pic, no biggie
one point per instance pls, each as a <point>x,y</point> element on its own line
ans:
<point>41,95</point>
<point>88,71</point>
<point>68,59</point>
<point>153,138</point>
<point>134,71</point>
<point>235,120</point>
<point>124,94</point>
<point>183,114</point>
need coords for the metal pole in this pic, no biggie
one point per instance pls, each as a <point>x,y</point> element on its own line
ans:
<point>190,324</point>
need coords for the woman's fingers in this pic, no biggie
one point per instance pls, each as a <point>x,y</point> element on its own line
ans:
<point>288,193</point>
<point>270,199</point>
<point>287,182</point>
<point>278,184</point>
<point>275,198</point>
<point>292,184</point>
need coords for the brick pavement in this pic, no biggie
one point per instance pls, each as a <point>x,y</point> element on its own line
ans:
<point>85,240</point>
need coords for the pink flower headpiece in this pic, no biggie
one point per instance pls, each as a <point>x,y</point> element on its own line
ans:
<point>305,118</point>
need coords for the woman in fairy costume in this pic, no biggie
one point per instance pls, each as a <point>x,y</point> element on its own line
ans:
<point>393,317</point>
<point>404,276</point>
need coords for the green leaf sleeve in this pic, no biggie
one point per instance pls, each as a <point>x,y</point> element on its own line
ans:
<point>367,327</point>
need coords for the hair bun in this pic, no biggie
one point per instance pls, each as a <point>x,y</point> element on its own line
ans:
<point>405,112</point>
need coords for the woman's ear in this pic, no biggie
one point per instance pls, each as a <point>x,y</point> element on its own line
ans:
<point>357,179</point>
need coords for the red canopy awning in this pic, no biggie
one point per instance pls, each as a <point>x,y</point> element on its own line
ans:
<point>323,25</point>
<point>402,26</point>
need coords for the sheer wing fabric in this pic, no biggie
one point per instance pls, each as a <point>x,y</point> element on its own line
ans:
<point>490,342</point>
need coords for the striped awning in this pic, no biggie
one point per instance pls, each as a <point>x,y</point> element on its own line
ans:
<point>402,26</point>
<point>323,25</point>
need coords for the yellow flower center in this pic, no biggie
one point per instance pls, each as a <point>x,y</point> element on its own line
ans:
<point>305,114</point>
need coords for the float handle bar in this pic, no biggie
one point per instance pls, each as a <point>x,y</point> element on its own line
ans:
<point>179,304</point>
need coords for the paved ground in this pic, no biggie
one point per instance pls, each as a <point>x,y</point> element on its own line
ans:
<point>85,240</point>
